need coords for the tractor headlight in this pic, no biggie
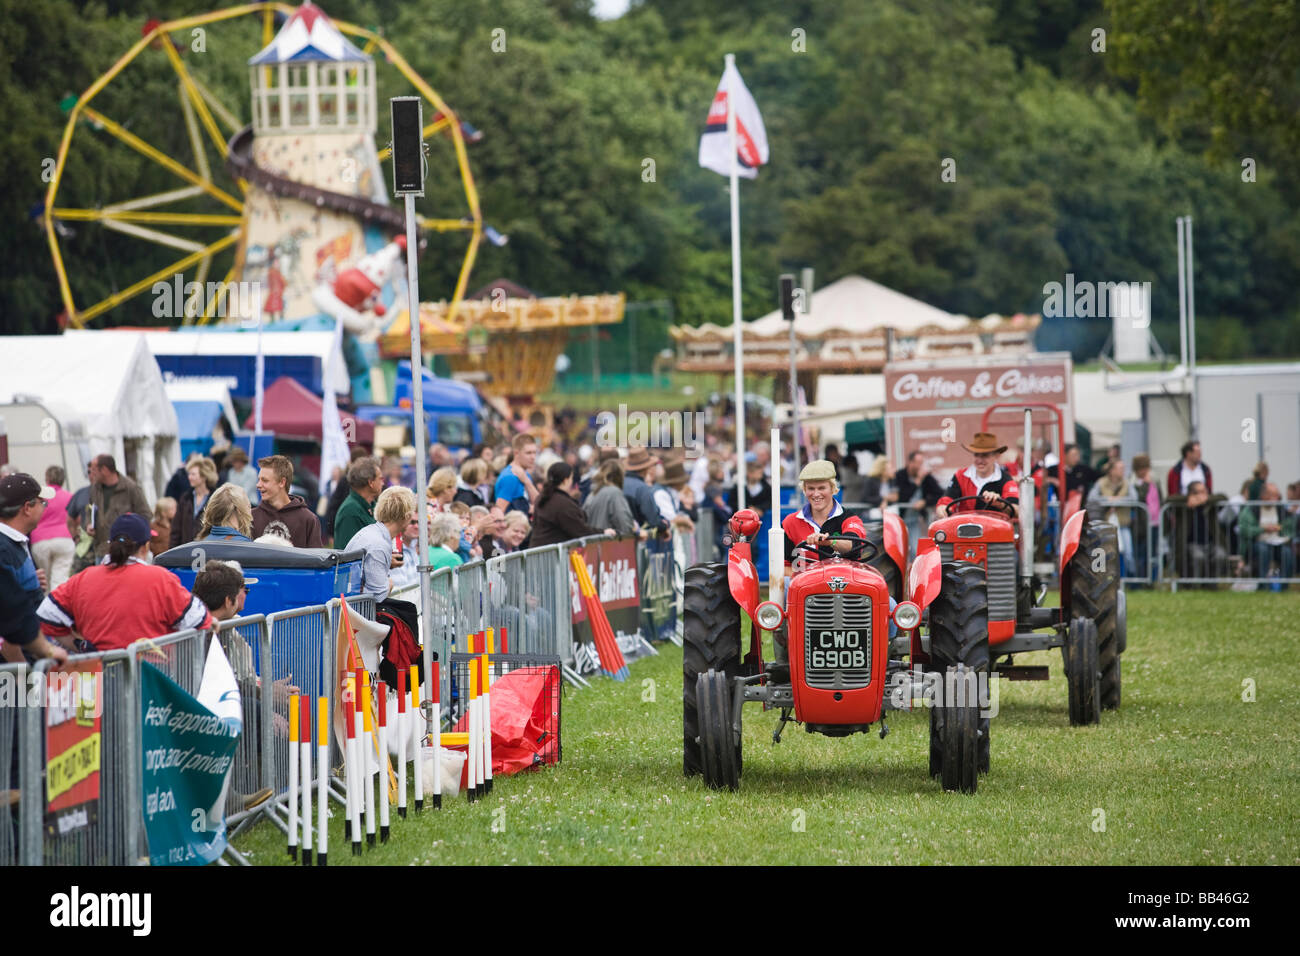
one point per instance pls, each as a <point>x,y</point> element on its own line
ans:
<point>907,615</point>
<point>769,615</point>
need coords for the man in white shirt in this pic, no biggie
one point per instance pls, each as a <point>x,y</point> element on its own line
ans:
<point>1191,469</point>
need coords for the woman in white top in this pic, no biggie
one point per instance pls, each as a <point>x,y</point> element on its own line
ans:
<point>394,508</point>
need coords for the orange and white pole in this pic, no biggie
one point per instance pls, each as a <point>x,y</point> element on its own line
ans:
<point>293,776</point>
<point>435,686</point>
<point>304,747</point>
<point>419,740</point>
<point>383,761</point>
<point>322,778</point>
<point>403,733</point>
<point>473,747</point>
<point>368,727</point>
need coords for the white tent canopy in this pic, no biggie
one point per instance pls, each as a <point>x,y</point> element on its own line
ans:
<point>855,304</point>
<point>108,380</point>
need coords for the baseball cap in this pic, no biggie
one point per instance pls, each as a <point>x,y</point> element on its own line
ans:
<point>21,488</point>
<point>133,528</point>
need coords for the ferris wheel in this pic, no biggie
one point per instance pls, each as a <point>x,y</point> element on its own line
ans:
<point>297,190</point>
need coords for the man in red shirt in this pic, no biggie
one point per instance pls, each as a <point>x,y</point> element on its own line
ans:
<point>992,483</point>
<point>821,516</point>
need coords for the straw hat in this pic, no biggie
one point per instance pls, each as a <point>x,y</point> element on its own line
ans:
<point>638,459</point>
<point>984,443</point>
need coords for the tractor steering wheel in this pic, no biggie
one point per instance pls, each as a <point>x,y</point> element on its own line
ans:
<point>979,500</point>
<point>855,552</point>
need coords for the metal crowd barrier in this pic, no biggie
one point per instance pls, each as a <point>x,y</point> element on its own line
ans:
<point>1137,538</point>
<point>14,686</point>
<point>1220,542</point>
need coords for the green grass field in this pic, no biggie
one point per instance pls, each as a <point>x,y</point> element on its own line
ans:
<point>1187,772</point>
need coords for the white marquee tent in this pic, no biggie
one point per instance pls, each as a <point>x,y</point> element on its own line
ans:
<point>110,383</point>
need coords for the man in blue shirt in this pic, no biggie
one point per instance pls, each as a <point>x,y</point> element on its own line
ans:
<point>22,502</point>
<point>514,489</point>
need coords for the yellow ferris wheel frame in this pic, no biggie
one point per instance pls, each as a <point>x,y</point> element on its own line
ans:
<point>198,105</point>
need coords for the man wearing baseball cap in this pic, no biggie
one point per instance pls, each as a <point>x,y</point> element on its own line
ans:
<point>22,502</point>
<point>985,479</point>
<point>123,599</point>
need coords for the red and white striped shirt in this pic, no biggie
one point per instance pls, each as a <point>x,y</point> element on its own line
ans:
<point>113,606</point>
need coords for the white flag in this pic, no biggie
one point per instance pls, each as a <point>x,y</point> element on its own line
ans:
<point>751,137</point>
<point>219,693</point>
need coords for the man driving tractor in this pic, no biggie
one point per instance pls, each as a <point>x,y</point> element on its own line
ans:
<point>986,481</point>
<point>822,516</point>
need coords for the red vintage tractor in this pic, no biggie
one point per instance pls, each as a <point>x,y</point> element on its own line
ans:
<point>1090,625</point>
<point>837,671</point>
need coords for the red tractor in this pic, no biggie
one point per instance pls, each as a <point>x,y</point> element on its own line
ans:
<point>1090,625</point>
<point>837,671</point>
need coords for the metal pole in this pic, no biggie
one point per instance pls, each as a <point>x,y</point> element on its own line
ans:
<point>421,450</point>
<point>1191,330</point>
<point>1027,498</point>
<point>794,408</point>
<point>735,291</point>
<point>1182,296</point>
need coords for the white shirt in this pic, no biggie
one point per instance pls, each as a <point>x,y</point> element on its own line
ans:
<point>666,502</point>
<point>1270,516</point>
<point>1188,475</point>
<point>10,531</point>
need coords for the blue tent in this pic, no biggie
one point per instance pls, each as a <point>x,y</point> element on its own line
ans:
<point>197,420</point>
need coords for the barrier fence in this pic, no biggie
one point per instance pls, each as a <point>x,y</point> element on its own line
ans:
<point>529,594</point>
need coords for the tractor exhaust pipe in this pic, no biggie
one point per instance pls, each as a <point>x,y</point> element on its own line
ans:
<point>1027,503</point>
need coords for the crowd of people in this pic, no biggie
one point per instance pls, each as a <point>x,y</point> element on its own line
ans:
<point>71,563</point>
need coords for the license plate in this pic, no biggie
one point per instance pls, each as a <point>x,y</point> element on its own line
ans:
<point>834,649</point>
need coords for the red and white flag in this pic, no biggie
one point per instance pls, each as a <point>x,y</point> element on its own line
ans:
<point>751,137</point>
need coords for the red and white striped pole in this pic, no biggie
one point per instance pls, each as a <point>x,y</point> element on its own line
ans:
<point>403,733</point>
<point>383,761</point>
<point>304,748</point>
<point>353,774</point>
<point>293,776</point>
<point>419,740</point>
<point>473,749</point>
<point>322,778</point>
<point>368,727</point>
<point>435,685</point>
<point>359,751</point>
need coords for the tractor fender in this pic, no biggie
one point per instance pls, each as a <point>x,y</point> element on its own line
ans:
<point>896,540</point>
<point>1070,538</point>
<point>926,576</point>
<point>742,577</point>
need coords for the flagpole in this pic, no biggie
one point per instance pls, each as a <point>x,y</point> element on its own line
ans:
<point>735,289</point>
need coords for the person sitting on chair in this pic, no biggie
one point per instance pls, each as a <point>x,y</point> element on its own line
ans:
<point>985,479</point>
<point>822,516</point>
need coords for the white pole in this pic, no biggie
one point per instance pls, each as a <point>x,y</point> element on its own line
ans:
<point>735,292</point>
<point>419,743</point>
<point>1182,296</point>
<point>322,780</point>
<point>1191,329</point>
<point>403,734</point>
<point>362,765</point>
<point>294,764</point>
<point>259,379</point>
<point>775,536</point>
<point>487,723</point>
<point>382,729</point>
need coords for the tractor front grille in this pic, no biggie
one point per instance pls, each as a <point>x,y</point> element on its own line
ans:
<point>837,638</point>
<point>1000,572</point>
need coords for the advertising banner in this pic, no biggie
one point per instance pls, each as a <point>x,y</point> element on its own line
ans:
<point>73,740</point>
<point>188,747</point>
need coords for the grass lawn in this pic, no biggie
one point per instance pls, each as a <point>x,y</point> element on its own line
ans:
<point>1185,773</point>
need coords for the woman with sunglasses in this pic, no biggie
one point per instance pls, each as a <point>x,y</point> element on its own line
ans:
<point>986,480</point>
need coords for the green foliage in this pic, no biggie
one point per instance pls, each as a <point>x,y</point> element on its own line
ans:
<point>591,132</point>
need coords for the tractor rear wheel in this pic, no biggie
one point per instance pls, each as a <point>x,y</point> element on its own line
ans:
<point>959,632</point>
<point>719,742</point>
<point>710,641</point>
<point>1083,672</point>
<point>1096,594</point>
<point>960,730</point>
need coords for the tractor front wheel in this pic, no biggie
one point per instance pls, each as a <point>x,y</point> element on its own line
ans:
<point>719,740</point>
<point>711,641</point>
<point>959,633</point>
<point>1083,672</point>
<point>959,726</point>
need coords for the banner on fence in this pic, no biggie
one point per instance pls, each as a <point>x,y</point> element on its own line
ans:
<point>187,751</point>
<point>658,602</point>
<point>73,738</point>
<point>616,572</point>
